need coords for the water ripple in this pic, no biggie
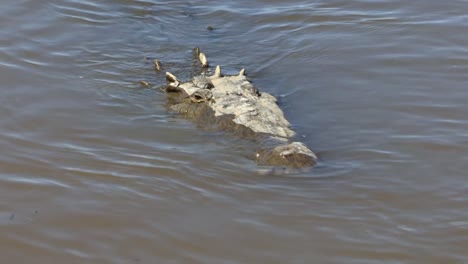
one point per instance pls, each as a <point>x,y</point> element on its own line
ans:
<point>95,169</point>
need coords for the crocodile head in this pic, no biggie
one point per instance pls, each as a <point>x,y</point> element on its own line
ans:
<point>233,103</point>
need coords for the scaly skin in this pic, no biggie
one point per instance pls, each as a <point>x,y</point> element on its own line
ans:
<point>234,104</point>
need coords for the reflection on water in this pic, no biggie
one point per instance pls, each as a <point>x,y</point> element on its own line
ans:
<point>94,169</point>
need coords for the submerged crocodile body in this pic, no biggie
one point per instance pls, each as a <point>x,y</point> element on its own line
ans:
<point>233,104</point>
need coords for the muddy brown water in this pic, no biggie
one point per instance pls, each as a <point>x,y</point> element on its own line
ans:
<point>94,169</point>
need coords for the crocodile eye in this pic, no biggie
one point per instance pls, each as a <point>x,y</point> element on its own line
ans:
<point>208,86</point>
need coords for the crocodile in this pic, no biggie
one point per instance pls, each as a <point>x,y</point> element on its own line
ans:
<point>233,103</point>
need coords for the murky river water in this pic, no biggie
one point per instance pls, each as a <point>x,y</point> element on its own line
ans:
<point>94,169</point>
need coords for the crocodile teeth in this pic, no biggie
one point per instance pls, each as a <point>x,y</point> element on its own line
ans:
<point>196,51</point>
<point>217,72</point>
<point>203,60</point>
<point>242,72</point>
<point>157,65</point>
<point>171,77</point>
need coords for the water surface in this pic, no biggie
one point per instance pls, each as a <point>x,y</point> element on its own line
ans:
<point>94,169</point>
